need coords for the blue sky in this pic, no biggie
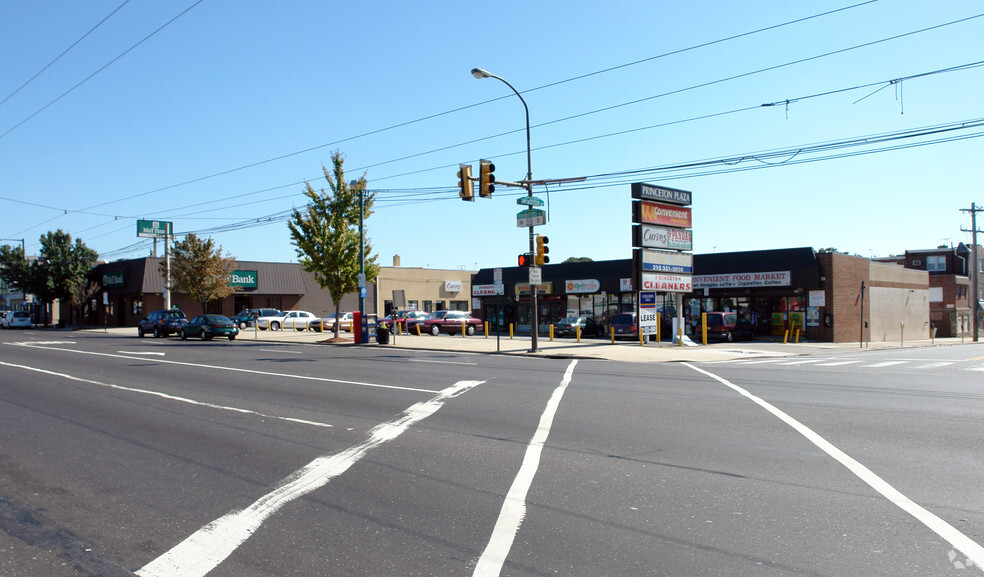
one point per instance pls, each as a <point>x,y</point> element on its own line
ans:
<point>215,121</point>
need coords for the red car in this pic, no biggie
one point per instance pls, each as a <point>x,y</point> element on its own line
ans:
<point>448,322</point>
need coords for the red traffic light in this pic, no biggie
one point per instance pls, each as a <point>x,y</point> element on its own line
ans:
<point>525,259</point>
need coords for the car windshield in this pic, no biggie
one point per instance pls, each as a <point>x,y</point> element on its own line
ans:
<point>174,315</point>
<point>623,319</point>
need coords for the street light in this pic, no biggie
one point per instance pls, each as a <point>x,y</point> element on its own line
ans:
<point>534,321</point>
<point>362,255</point>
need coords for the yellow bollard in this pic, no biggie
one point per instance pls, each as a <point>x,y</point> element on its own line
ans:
<point>463,327</point>
<point>510,331</point>
<point>577,332</point>
<point>797,336</point>
<point>418,329</point>
<point>680,338</point>
<point>551,333</point>
<point>612,333</point>
<point>486,327</point>
<point>785,337</point>
<point>658,339</point>
<point>642,339</point>
<point>703,330</point>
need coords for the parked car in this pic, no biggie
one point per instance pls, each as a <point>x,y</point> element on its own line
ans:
<point>247,317</point>
<point>448,322</point>
<point>16,319</point>
<point>624,325</point>
<point>401,317</point>
<point>297,320</point>
<point>727,327</point>
<point>568,327</point>
<point>161,323</point>
<point>206,327</point>
<point>327,323</point>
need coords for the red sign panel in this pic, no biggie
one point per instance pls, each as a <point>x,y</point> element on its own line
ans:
<point>667,283</point>
<point>665,214</point>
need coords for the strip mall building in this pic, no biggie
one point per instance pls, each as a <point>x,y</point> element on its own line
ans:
<point>829,297</point>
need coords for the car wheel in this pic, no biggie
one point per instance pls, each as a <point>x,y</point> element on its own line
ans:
<point>729,337</point>
<point>275,326</point>
<point>435,329</point>
<point>206,336</point>
<point>242,325</point>
<point>157,332</point>
<point>183,335</point>
<point>232,337</point>
<point>299,328</point>
<point>140,332</point>
<point>470,331</point>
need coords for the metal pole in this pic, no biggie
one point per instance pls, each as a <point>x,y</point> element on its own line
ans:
<point>362,263</point>
<point>534,310</point>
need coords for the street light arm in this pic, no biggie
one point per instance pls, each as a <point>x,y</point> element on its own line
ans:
<point>482,73</point>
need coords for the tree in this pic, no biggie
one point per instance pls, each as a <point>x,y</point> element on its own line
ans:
<point>58,271</point>
<point>325,234</point>
<point>199,269</point>
<point>579,259</point>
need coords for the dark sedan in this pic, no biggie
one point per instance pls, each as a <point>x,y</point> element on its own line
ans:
<point>207,327</point>
<point>450,322</point>
<point>569,326</point>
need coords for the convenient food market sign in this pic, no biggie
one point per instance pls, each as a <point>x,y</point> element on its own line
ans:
<point>743,279</point>
<point>243,278</point>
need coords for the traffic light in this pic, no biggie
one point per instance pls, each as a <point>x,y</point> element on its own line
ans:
<point>525,259</point>
<point>466,189</point>
<point>541,250</point>
<point>486,178</point>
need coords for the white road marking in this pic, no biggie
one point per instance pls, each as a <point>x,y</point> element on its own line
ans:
<point>958,540</point>
<point>235,369</point>
<point>837,363</point>
<point>514,507</point>
<point>197,555</point>
<point>283,350</point>
<point>441,362</point>
<point>935,365</point>
<point>141,353</point>
<point>163,395</point>
<point>885,364</point>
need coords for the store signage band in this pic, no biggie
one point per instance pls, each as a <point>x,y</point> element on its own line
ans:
<point>665,261</point>
<point>743,279</point>
<point>642,191</point>
<point>486,290</point>
<point>649,236</point>
<point>666,283</point>
<point>113,279</point>
<point>583,286</point>
<point>665,214</point>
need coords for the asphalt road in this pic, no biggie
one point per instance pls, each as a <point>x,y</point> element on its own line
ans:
<point>159,457</point>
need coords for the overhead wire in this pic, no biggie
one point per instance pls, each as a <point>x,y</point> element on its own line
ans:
<point>103,67</point>
<point>64,52</point>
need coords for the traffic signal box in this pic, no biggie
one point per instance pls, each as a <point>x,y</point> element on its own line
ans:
<point>541,250</point>
<point>525,259</point>
<point>486,178</point>
<point>466,189</point>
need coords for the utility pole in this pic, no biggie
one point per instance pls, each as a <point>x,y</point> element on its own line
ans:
<point>975,268</point>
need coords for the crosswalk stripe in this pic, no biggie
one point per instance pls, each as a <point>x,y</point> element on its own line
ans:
<point>837,363</point>
<point>886,364</point>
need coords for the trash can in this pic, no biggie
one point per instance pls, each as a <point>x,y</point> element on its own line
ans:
<point>382,335</point>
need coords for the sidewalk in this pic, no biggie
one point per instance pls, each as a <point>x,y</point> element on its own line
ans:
<point>627,351</point>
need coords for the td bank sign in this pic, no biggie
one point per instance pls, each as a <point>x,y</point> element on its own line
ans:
<point>243,279</point>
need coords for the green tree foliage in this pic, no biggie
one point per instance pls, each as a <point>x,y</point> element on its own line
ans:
<point>61,267</point>
<point>579,259</point>
<point>325,234</point>
<point>199,269</point>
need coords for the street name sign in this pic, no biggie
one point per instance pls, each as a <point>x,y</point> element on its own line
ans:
<point>531,217</point>
<point>530,201</point>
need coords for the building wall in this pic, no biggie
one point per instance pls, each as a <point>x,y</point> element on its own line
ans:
<point>842,278</point>
<point>898,303</point>
<point>420,285</point>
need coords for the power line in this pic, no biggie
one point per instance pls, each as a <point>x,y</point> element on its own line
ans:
<point>474,105</point>
<point>66,51</point>
<point>104,67</point>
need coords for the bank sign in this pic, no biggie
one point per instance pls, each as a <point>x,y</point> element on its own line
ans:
<point>243,278</point>
<point>154,229</point>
